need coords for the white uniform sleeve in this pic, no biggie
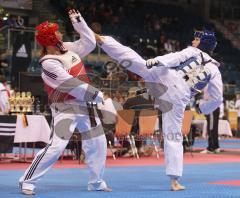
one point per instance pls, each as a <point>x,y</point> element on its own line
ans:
<point>125,56</point>
<point>4,104</point>
<point>215,93</point>
<point>57,78</point>
<point>174,59</point>
<point>86,43</point>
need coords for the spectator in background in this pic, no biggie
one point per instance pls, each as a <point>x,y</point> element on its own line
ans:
<point>221,116</point>
<point>147,23</point>
<point>15,21</point>
<point>4,95</point>
<point>34,65</point>
<point>108,114</point>
<point>3,61</point>
<point>177,46</point>
<point>1,23</point>
<point>157,25</point>
<point>118,97</point>
<point>168,46</point>
<point>160,45</point>
<point>11,21</point>
<point>237,106</point>
<point>212,129</point>
<point>238,30</point>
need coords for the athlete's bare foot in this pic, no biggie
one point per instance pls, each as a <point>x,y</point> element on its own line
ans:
<point>175,186</point>
<point>107,189</point>
<point>28,192</point>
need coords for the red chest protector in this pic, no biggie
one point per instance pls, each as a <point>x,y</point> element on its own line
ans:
<point>74,67</point>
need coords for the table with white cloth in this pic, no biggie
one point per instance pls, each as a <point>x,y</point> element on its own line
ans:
<point>223,127</point>
<point>23,129</point>
<point>38,129</point>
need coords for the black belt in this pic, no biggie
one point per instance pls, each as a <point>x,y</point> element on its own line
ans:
<point>90,108</point>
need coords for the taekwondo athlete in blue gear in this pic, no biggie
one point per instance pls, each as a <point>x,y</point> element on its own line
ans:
<point>177,77</point>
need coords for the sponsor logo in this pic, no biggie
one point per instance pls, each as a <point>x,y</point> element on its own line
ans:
<point>22,52</point>
<point>73,59</point>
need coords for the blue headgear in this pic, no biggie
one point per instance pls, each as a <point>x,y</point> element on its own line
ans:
<point>208,41</point>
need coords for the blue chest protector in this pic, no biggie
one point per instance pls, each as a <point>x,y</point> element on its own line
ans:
<point>194,72</point>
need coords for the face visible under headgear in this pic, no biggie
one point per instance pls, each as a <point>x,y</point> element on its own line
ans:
<point>208,41</point>
<point>46,35</point>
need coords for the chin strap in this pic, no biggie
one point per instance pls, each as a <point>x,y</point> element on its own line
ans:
<point>61,47</point>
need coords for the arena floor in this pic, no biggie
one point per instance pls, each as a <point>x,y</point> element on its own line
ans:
<point>204,176</point>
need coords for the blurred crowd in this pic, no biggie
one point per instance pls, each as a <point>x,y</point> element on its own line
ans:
<point>233,27</point>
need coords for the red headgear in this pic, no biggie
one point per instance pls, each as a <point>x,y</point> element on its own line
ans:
<point>45,35</point>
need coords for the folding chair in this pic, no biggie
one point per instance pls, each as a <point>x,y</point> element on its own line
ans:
<point>147,122</point>
<point>186,126</point>
<point>124,124</point>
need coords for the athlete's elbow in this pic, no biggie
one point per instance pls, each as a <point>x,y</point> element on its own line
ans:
<point>90,45</point>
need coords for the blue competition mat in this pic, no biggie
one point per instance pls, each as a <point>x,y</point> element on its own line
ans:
<point>130,182</point>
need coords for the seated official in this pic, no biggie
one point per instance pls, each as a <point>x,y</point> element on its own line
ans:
<point>108,116</point>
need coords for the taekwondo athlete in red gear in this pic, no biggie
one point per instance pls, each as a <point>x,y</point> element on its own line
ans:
<point>71,101</point>
<point>177,77</point>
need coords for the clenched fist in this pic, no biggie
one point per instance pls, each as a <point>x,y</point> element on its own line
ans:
<point>152,62</point>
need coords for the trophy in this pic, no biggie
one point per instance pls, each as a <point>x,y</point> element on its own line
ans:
<point>30,100</point>
<point>17,102</point>
<point>23,102</point>
<point>11,100</point>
